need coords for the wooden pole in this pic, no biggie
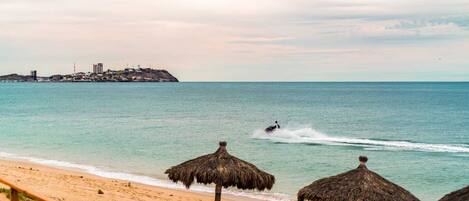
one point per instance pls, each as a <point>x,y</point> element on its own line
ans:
<point>13,195</point>
<point>218,193</point>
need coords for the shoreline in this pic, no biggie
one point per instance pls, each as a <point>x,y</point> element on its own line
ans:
<point>68,184</point>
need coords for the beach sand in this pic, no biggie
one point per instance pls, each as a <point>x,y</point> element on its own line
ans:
<point>67,185</point>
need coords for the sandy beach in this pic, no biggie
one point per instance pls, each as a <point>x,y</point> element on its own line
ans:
<point>67,185</point>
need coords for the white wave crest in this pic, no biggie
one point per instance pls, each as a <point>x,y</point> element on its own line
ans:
<point>310,136</point>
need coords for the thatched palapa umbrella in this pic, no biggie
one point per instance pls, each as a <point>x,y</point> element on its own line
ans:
<point>359,184</point>
<point>223,170</point>
<point>459,195</point>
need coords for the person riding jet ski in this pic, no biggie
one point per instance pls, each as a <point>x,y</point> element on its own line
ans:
<point>272,128</point>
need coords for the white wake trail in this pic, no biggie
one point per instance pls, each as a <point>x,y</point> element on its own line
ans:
<point>310,136</point>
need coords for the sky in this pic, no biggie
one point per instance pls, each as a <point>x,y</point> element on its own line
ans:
<point>241,40</point>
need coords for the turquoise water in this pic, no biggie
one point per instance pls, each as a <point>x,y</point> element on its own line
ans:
<point>415,134</point>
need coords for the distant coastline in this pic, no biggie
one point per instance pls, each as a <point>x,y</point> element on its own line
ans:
<point>126,75</point>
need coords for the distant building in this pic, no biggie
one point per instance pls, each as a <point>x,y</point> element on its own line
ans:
<point>98,68</point>
<point>34,75</point>
<point>129,70</point>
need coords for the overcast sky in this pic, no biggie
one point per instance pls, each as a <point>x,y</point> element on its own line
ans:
<point>241,40</point>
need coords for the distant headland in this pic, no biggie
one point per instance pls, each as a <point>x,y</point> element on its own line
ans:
<point>98,75</point>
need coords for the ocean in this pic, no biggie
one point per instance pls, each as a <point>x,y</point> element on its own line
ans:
<point>414,134</point>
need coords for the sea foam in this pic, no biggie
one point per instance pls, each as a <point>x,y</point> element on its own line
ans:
<point>308,135</point>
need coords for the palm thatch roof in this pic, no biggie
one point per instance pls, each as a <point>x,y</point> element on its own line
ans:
<point>459,195</point>
<point>222,169</point>
<point>359,184</point>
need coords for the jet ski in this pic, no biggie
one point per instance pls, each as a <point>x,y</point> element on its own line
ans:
<point>270,129</point>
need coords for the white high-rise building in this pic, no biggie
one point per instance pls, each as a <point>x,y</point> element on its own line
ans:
<point>98,68</point>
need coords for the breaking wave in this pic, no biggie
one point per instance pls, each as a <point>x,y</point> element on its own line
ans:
<point>310,136</point>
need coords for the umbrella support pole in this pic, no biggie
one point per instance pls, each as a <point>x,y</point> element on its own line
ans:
<point>218,193</point>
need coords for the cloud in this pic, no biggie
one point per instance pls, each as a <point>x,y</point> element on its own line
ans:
<point>261,40</point>
<point>408,30</point>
